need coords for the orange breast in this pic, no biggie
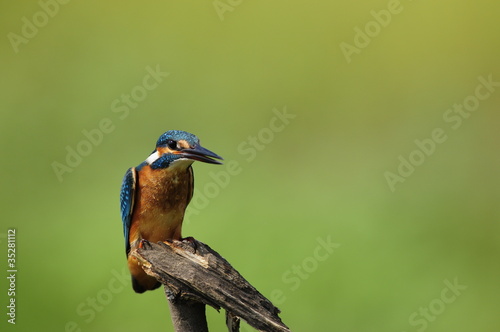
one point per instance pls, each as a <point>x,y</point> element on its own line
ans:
<point>161,199</point>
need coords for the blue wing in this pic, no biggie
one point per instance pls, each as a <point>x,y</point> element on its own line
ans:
<point>127,195</point>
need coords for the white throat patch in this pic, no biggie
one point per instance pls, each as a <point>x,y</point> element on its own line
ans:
<point>181,163</point>
<point>153,157</point>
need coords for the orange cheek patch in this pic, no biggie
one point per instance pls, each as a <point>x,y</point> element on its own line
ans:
<point>183,144</point>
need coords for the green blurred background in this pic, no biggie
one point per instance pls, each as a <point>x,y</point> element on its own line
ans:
<point>321,177</point>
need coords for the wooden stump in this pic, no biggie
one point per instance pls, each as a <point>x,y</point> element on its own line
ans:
<point>195,275</point>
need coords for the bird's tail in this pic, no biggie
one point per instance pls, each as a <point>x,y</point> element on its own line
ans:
<point>142,286</point>
<point>141,282</point>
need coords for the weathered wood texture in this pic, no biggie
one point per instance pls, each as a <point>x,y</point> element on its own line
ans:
<point>192,271</point>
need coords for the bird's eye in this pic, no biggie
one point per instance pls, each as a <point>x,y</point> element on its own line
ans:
<point>172,144</point>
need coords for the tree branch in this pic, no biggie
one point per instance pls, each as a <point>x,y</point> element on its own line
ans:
<point>195,274</point>
<point>188,315</point>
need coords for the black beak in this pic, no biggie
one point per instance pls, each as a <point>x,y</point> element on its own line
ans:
<point>201,154</point>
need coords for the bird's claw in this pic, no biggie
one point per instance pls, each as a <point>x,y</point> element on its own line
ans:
<point>191,241</point>
<point>144,244</point>
<point>188,243</point>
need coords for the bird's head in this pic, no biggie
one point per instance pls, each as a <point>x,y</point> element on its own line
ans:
<point>175,146</point>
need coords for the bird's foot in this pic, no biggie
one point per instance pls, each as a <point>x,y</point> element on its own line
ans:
<point>191,241</point>
<point>145,244</point>
<point>188,243</point>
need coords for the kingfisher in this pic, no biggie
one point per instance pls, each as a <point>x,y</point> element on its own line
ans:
<point>155,194</point>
